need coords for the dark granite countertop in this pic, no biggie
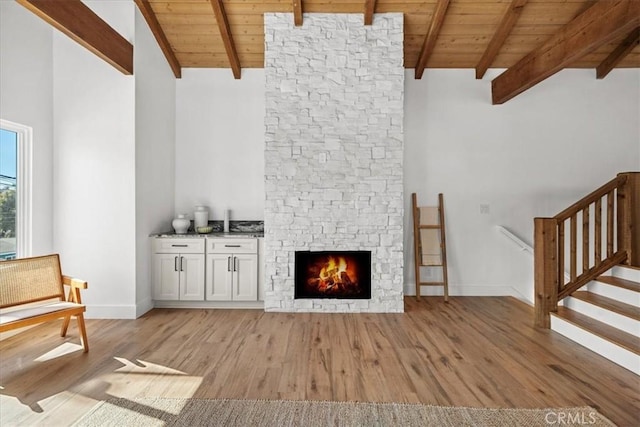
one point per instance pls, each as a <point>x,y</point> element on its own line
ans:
<point>190,234</point>
<point>237,229</point>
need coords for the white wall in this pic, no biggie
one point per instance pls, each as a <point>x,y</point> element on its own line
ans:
<point>220,143</point>
<point>26,91</point>
<point>532,156</point>
<point>94,174</point>
<point>155,106</point>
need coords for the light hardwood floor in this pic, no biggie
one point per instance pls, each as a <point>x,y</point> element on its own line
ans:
<point>479,352</point>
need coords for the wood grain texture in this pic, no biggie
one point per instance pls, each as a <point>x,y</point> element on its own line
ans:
<point>545,247</point>
<point>297,12</point>
<point>158,33</point>
<point>609,304</point>
<point>603,330</point>
<point>476,352</point>
<point>619,53</point>
<point>77,21</point>
<point>628,218</point>
<point>369,9</point>
<point>437,20</point>
<point>190,27</point>
<point>227,37</point>
<point>507,23</point>
<point>600,24</point>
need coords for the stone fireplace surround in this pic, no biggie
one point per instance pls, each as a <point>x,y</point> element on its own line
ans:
<point>334,152</point>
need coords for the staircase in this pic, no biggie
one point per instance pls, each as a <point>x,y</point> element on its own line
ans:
<point>587,271</point>
<point>605,317</point>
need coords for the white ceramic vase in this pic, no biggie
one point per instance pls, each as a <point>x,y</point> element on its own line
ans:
<point>180,224</point>
<point>201,217</point>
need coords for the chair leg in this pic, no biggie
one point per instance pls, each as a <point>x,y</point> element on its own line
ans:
<point>65,326</point>
<point>83,332</point>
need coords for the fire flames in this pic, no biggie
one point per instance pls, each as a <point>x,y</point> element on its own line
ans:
<point>334,277</point>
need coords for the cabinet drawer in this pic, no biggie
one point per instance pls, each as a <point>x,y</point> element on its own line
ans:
<point>178,246</point>
<point>232,246</point>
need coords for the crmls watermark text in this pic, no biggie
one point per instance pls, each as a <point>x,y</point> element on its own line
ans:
<point>562,418</point>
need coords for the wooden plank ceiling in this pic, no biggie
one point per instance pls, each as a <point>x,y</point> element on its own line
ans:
<point>468,27</point>
<point>533,39</point>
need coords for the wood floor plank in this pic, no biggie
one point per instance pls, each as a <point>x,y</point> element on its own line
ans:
<point>478,352</point>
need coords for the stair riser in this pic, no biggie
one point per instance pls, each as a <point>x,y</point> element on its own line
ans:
<point>616,354</point>
<point>611,318</point>
<point>626,273</point>
<point>620,294</point>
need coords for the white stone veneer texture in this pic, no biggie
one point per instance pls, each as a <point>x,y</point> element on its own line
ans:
<point>334,152</point>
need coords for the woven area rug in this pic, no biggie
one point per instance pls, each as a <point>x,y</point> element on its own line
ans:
<point>223,412</point>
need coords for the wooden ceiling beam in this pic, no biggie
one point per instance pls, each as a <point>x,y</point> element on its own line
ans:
<point>602,23</point>
<point>509,20</point>
<point>297,13</point>
<point>619,53</point>
<point>79,22</point>
<point>432,35</point>
<point>227,38</point>
<point>369,8</point>
<point>161,38</point>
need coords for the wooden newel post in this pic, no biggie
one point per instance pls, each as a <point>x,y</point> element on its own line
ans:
<point>545,253</point>
<point>629,217</point>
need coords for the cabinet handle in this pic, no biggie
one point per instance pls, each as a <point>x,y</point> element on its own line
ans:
<point>181,258</point>
<point>232,246</point>
<point>229,263</point>
<point>179,246</point>
<point>175,263</point>
<point>235,263</point>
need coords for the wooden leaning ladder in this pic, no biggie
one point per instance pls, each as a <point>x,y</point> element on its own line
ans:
<point>430,246</point>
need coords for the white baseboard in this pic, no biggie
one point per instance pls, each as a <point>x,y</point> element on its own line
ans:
<point>607,349</point>
<point>143,307</point>
<point>468,291</point>
<point>211,304</point>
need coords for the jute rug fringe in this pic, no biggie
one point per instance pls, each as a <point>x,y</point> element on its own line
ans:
<point>140,412</point>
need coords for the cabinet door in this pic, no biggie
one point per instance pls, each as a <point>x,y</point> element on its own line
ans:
<point>165,277</point>
<point>192,277</point>
<point>261,269</point>
<point>245,277</point>
<point>219,277</point>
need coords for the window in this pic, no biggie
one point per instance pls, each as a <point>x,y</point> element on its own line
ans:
<point>15,190</point>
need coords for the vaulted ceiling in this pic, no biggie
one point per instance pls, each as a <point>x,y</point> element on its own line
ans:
<point>533,39</point>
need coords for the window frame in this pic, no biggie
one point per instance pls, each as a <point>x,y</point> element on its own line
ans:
<point>24,171</point>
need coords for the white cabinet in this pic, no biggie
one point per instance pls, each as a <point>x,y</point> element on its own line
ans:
<point>178,269</point>
<point>261,268</point>
<point>232,270</point>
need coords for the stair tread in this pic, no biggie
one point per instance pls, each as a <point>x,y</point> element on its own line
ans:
<point>604,331</point>
<point>621,283</point>
<point>609,304</point>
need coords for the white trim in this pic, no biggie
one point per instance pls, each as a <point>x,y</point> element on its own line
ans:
<point>244,305</point>
<point>24,213</point>
<point>593,342</point>
<point>468,291</point>
<point>515,239</point>
<point>143,307</point>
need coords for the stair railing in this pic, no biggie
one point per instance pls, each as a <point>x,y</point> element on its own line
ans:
<point>577,236</point>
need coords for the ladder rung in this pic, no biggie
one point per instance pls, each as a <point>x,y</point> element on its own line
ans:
<point>429,226</point>
<point>431,265</point>
<point>431,283</point>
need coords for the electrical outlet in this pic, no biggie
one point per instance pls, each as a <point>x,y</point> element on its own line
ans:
<point>484,209</point>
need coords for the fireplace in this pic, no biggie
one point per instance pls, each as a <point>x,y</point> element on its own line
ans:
<point>333,274</point>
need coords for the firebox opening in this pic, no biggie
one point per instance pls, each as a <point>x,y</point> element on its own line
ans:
<point>333,274</point>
